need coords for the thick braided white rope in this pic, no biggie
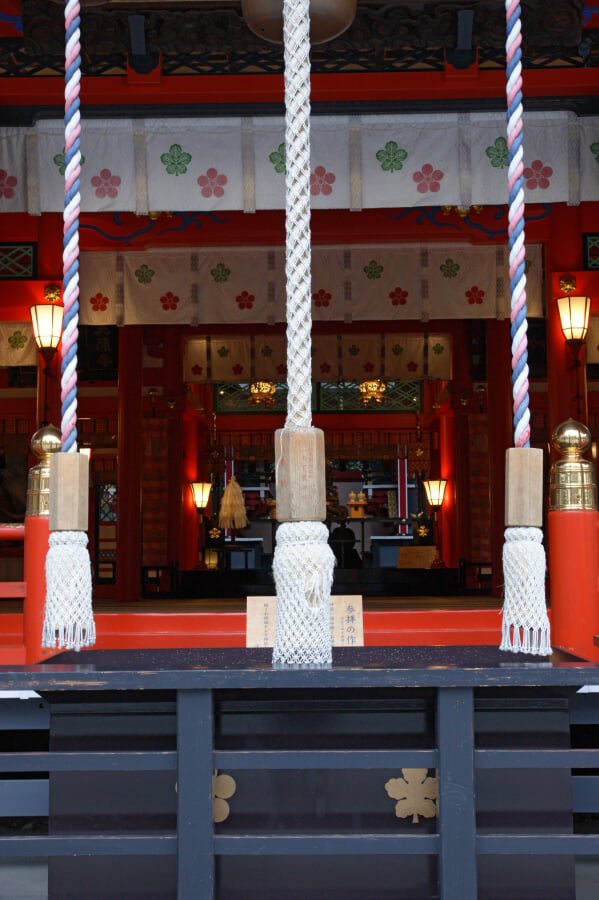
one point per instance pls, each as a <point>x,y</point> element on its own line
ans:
<point>303,561</point>
<point>296,35</point>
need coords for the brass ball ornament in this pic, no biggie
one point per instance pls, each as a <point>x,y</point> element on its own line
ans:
<point>328,18</point>
<point>571,438</point>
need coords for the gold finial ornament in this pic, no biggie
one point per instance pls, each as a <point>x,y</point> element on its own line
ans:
<point>572,483</point>
<point>52,293</point>
<point>44,443</point>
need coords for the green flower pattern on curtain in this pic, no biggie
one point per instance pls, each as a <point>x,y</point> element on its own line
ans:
<point>223,351</point>
<point>176,160</point>
<point>17,340</point>
<point>277,158</point>
<point>450,268</point>
<point>595,151</point>
<point>59,160</point>
<point>353,350</point>
<point>397,350</point>
<point>220,272</point>
<point>373,270</point>
<point>438,349</point>
<point>391,157</point>
<point>498,153</point>
<point>266,351</point>
<point>144,274</point>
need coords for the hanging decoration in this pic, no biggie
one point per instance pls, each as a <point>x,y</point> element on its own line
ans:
<point>525,621</point>
<point>262,393</point>
<point>68,617</point>
<point>232,513</point>
<point>373,390</point>
<point>303,560</point>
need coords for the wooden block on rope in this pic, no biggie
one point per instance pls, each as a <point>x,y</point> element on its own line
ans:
<point>69,492</point>
<point>523,487</point>
<point>300,472</point>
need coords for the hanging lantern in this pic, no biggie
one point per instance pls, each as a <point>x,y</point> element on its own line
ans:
<point>372,390</point>
<point>328,18</point>
<point>435,491</point>
<point>262,392</point>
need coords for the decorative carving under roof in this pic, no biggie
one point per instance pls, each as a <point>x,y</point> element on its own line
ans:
<point>192,29</point>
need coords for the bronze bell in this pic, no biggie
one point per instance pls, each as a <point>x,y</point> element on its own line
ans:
<point>328,18</point>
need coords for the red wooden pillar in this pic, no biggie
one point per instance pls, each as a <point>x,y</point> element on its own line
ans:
<point>499,408</point>
<point>49,269</point>
<point>447,514</point>
<point>189,543</point>
<point>128,552</point>
<point>457,421</point>
<point>563,254</point>
<point>175,399</point>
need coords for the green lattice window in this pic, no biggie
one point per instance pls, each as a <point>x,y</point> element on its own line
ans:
<point>591,251</point>
<point>105,512</point>
<point>18,261</point>
<point>234,398</point>
<point>107,503</point>
<point>400,396</point>
<point>344,396</point>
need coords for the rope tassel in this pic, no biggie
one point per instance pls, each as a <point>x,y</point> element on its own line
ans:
<point>303,569</point>
<point>68,617</point>
<point>69,620</point>
<point>525,622</point>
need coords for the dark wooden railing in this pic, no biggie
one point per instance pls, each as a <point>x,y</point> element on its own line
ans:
<point>135,739</point>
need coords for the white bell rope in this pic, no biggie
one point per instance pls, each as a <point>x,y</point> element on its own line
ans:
<point>303,560</point>
<point>525,620</point>
<point>68,617</point>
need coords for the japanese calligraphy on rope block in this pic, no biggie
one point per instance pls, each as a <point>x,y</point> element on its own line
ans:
<point>300,471</point>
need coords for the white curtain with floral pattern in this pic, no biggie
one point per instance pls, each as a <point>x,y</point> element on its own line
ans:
<point>357,162</point>
<point>246,285</point>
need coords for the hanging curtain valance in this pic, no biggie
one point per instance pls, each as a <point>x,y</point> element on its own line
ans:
<point>355,357</point>
<point>246,285</point>
<point>357,162</point>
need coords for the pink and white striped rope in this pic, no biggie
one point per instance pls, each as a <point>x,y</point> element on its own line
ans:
<point>520,384</point>
<point>71,227</point>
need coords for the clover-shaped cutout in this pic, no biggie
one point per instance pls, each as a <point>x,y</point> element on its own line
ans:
<point>223,788</point>
<point>416,794</point>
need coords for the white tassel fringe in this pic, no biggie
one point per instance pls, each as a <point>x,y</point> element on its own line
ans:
<point>303,569</point>
<point>525,621</point>
<point>68,617</point>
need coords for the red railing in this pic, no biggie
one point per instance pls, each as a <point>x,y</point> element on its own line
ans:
<point>34,533</point>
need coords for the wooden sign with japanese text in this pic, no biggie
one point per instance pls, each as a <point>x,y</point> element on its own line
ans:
<point>300,471</point>
<point>347,628</point>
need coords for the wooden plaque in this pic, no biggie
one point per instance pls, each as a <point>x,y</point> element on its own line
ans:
<point>347,628</point>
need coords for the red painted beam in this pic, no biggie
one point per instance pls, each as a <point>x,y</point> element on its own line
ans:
<point>325,87</point>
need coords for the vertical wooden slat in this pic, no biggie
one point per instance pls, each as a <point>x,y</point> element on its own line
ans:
<point>457,805</point>
<point>195,867</point>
